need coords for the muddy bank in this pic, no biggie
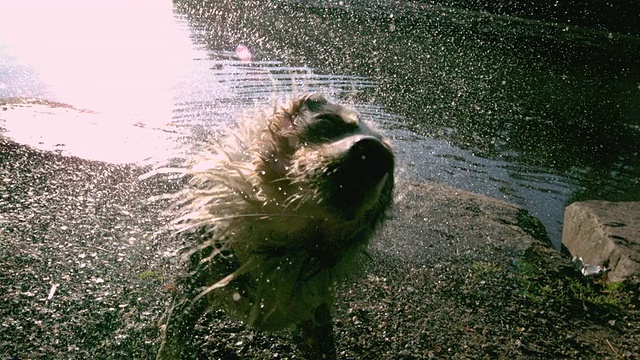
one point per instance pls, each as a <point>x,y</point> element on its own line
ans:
<point>84,274</point>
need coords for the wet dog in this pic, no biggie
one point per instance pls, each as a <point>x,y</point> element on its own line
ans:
<point>275,217</point>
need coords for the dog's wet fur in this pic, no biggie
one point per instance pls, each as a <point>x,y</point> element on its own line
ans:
<point>275,217</point>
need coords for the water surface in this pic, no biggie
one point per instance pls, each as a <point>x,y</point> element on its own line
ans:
<point>534,113</point>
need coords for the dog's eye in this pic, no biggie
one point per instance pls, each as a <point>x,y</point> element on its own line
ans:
<point>329,119</point>
<point>329,126</point>
<point>315,102</point>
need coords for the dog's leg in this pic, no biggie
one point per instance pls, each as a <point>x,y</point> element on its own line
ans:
<point>170,342</point>
<point>317,335</point>
<point>177,325</point>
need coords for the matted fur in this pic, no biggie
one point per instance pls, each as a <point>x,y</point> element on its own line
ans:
<point>274,216</point>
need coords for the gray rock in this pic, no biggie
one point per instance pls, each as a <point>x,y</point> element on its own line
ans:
<point>605,234</point>
<point>432,222</point>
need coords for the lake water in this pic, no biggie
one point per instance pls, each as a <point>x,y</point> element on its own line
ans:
<point>534,113</point>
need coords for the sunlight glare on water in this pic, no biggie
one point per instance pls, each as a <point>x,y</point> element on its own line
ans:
<point>117,57</point>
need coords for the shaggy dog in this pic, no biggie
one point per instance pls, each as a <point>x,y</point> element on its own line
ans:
<point>274,218</point>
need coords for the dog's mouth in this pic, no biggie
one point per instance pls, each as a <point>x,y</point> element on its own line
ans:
<point>361,179</point>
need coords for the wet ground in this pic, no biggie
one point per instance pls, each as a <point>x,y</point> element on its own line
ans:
<point>534,113</point>
<point>85,273</point>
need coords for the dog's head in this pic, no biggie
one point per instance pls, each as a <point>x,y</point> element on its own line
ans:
<point>324,161</point>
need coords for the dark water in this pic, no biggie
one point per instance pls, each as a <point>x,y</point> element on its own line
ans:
<point>537,114</point>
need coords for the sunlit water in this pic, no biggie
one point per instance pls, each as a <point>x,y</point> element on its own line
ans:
<point>156,81</point>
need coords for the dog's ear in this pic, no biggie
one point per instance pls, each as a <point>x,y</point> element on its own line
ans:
<point>285,121</point>
<point>283,140</point>
<point>283,118</point>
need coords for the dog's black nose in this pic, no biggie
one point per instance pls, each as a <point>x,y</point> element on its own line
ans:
<point>370,159</point>
<point>364,174</point>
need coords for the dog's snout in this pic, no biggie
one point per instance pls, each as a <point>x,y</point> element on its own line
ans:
<point>367,147</point>
<point>365,171</point>
<point>371,156</point>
